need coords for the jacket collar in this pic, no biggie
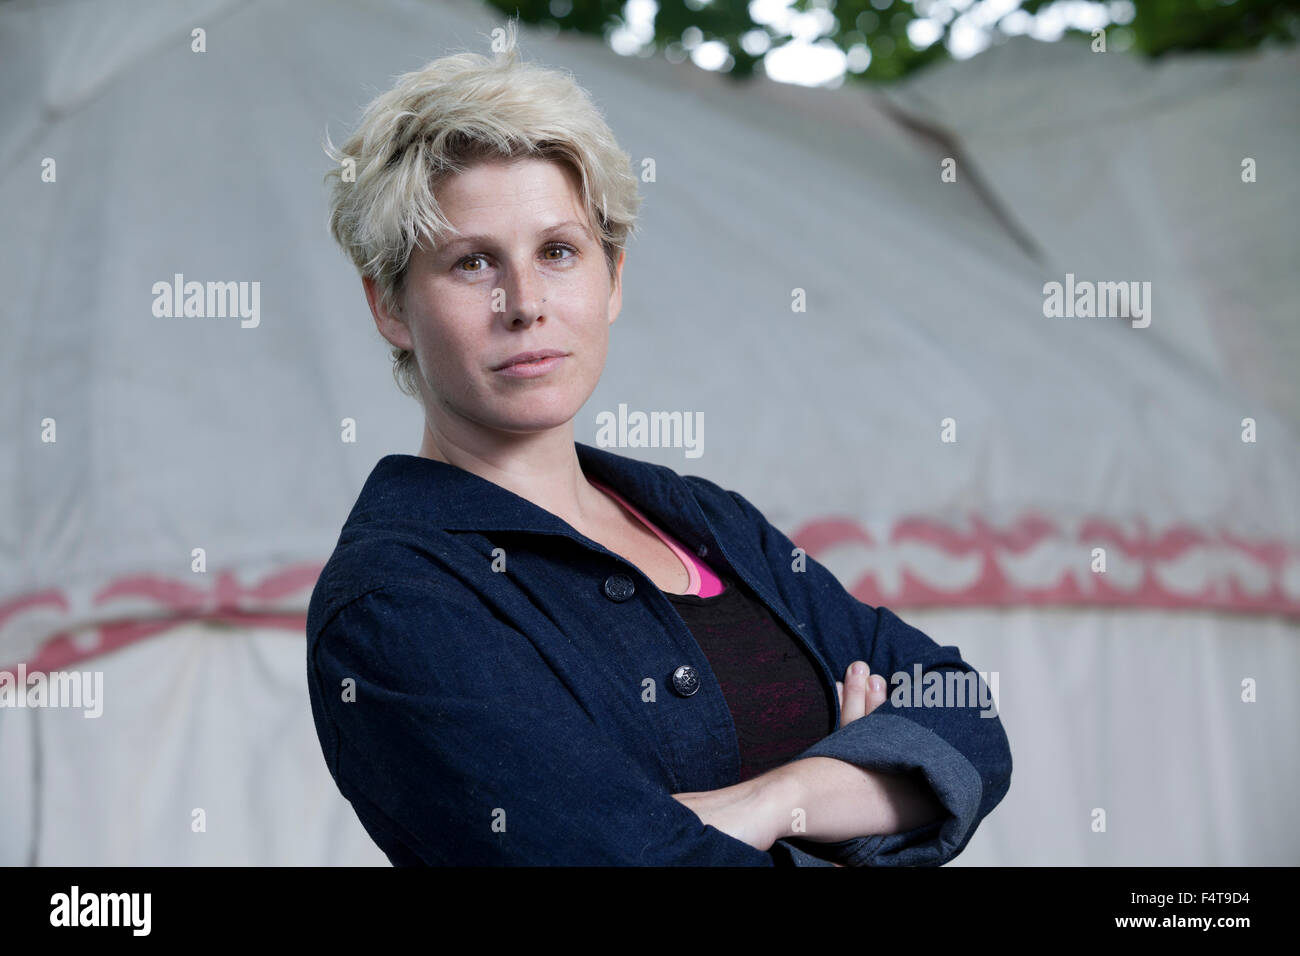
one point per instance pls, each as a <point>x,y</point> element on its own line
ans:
<point>410,489</point>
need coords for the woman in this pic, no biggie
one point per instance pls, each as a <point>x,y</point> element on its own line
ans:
<point>528,650</point>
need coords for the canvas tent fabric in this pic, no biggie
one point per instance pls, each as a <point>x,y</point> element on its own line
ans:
<point>923,302</point>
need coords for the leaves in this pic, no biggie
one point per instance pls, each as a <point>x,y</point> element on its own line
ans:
<point>1158,26</point>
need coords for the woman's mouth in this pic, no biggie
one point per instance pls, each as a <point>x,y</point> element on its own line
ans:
<point>532,369</point>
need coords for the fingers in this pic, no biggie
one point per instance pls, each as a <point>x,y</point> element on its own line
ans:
<point>860,693</point>
<point>854,703</point>
<point>877,691</point>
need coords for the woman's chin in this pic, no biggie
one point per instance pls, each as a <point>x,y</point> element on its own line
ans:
<point>536,411</point>
<point>534,420</point>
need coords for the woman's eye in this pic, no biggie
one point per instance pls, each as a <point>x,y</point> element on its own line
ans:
<point>557,247</point>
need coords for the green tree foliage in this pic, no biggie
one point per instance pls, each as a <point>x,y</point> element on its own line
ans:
<point>1154,27</point>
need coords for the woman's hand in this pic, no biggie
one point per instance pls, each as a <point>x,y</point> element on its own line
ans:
<point>745,811</point>
<point>756,811</point>
<point>866,693</point>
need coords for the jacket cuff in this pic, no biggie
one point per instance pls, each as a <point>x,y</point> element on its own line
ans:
<point>895,744</point>
<point>791,852</point>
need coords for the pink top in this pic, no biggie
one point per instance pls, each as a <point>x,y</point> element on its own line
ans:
<point>703,582</point>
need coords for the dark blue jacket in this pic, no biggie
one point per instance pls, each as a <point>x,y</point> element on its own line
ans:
<point>477,712</point>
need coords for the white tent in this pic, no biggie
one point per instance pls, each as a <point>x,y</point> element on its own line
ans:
<point>1120,691</point>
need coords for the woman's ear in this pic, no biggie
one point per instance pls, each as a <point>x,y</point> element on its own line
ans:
<point>616,290</point>
<point>391,323</point>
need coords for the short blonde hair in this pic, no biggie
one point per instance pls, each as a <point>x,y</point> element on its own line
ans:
<point>439,121</point>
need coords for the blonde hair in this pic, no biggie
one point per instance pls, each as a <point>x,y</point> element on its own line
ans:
<point>440,120</point>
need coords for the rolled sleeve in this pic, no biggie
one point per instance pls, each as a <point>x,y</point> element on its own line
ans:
<point>962,752</point>
<point>793,852</point>
<point>893,744</point>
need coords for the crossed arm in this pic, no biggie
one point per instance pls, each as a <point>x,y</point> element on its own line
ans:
<point>821,798</point>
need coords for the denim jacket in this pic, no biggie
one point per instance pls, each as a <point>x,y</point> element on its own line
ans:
<point>492,687</point>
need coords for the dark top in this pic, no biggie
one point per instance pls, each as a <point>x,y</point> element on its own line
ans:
<point>768,680</point>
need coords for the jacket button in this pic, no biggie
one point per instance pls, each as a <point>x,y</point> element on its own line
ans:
<point>685,680</point>
<point>704,551</point>
<point>619,587</point>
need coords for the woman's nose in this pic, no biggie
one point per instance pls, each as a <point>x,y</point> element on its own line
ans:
<point>524,299</point>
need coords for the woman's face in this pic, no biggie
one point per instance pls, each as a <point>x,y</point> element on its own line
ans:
<point>529,276</point>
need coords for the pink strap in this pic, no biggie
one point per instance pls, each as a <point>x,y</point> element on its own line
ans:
<point>703,582</point>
